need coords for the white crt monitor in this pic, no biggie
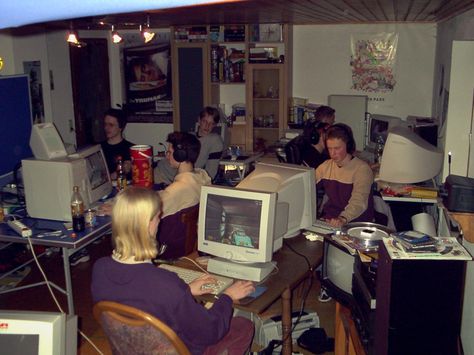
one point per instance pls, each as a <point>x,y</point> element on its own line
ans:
<point>407,158</point>
<point>41,333</point>
<point>46,143</point>
<point>49,183</point>
<point>239,227</point>
<point>295,185</point>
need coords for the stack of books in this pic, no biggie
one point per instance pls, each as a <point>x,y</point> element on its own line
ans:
<point>416,242</point>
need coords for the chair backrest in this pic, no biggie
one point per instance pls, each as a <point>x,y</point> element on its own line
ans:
<point>179,232</point>
<point>132,331</point>
<point>190,219</point>
<point>293,154</point>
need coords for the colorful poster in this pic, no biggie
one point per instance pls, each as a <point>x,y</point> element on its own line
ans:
<point>148,82</point>
<point>373,63</point>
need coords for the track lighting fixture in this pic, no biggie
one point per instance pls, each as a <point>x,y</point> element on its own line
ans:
<point>116,38</point>
<point>147,33</point>
<point>72,37</point>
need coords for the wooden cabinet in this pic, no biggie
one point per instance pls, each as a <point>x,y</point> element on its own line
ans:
<point>266,105</point>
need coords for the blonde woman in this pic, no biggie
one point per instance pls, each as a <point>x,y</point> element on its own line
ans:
<point>129,277</point>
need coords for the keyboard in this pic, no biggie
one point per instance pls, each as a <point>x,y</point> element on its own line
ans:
<point>322,227</point>
<point>188,276</point>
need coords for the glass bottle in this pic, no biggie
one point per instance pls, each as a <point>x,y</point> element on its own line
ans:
<point>379,145</point>
<point>121,177</point>
<point>77,210</point>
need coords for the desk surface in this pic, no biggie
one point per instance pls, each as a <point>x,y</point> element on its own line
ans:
<point>69,240</point>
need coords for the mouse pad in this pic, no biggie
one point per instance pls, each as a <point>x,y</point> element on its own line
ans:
<point>258,291</point>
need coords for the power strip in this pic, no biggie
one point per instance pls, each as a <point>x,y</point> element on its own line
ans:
<point>20,228</point>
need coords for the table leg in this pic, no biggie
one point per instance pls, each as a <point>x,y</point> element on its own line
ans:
<point>286,322</point>
<point>67,279</point>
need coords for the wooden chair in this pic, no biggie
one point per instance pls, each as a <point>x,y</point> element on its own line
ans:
<point>132,331</point>
<point>190,220</point>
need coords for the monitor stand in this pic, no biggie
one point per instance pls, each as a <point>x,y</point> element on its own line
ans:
<point>244,271</point>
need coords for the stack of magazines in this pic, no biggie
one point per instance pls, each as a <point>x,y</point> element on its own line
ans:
<point>416,242</point>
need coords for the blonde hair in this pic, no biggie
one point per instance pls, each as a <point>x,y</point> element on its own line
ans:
<point>133,210</point>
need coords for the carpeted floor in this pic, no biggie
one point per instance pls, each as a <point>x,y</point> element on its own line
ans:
<point>14,278</point>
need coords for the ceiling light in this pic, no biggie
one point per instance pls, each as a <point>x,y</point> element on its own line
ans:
<point>147,33</point>
<point>116,38</point>
<point>72,37</point>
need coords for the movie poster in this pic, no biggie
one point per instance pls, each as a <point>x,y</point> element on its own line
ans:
<point>148,83</point>
<point>33,70</point>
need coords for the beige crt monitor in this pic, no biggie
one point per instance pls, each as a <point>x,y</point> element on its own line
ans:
<point>49,183</point>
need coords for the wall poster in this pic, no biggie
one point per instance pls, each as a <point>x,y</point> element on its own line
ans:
<point>33,70</point>
<point>147,70</point>
<point>373,59</point>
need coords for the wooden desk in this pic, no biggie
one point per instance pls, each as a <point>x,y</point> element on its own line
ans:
<point>292,271</point>
<point>69,244</point>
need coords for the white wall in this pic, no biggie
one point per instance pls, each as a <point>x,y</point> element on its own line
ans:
<point>321,55</point>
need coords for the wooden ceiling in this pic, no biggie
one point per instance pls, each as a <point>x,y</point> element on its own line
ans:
<point>296,12</point>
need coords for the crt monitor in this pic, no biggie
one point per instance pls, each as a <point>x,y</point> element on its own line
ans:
<point>407,158</point>
<point>239,228</point>
<point>379,126</point>
<point>49,183</point>
<point>295,185</point>
<point>41,333</point>
<point>46,143</point>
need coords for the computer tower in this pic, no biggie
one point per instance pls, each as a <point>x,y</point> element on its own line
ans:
<point>419,306</point>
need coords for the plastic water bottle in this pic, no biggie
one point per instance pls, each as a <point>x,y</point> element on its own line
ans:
<point>77,210</point>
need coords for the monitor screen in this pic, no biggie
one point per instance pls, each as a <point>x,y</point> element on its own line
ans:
<point>294,185</point>
<point>379,126</point>
<point>407,158</point>
<point>99,182</point>
<point>238,225</point>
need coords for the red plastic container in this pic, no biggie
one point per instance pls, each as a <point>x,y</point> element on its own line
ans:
<point>142,168</point>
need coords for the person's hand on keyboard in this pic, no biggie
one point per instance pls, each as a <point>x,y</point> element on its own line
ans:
<point>239,290</point>
<point>198,286</point>
<point>337,222</point>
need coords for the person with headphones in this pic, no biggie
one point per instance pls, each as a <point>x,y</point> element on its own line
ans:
<point>211,148</point>
<point>184,192</point>
<point>346,180</point>
<point>115,121</point>
<point>308,148</point>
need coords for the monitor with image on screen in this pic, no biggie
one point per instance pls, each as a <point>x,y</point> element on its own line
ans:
<point>239,228</point>
<point>379,126</point>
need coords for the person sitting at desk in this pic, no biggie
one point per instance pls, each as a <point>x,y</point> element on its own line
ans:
<point>129,277</point>
<point>182,194</point>
<point>346,180</point>
<point>211,148</point>
<point>308,148</point>
<point>115,121</point>
<point>325,114</point>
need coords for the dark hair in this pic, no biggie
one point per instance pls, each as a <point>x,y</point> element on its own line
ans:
<point>313,129</point>
<point>323,112</point>
<point>210,111</point>
<point>186,146</point>
<point>119,115</point>
<point>344,133</point>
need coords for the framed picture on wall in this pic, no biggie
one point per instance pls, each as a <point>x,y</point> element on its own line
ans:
<point>147,71</point>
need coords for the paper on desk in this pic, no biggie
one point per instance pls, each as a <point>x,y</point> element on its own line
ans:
<point>448,249</point>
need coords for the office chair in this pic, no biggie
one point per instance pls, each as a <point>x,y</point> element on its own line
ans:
<point>132,331</point>
<point>293,154</point>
